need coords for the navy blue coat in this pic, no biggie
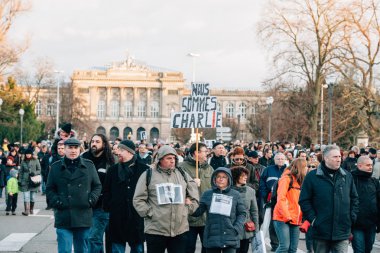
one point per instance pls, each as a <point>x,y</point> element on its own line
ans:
<point>222,231</point>
<point>331,206</point>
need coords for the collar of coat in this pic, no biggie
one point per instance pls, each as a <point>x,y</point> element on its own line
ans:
<point>320,171</point>
<point>64,166</point>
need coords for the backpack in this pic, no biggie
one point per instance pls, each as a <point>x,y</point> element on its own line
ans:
<point>273,198</point>
<point>149,175</point>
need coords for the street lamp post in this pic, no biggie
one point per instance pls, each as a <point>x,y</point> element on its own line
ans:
<point>193,55</point>
<point>330,90</point>
<point>21,112</point>
<point>57,114</point>
<point>324,86</point>
<point>269,102</point>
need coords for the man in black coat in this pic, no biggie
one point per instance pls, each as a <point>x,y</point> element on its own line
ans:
<point>73,188</point>
<point>330,203</point>
<point>100,154</point>
<point>125,225</point>
<point>368,221</point>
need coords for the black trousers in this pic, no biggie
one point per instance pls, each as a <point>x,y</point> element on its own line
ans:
<point>11,202</point>
<point>192,236</point>
<point>158,243</point>
<point>244,246</point>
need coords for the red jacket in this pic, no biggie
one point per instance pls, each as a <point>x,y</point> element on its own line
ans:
<point>287,208</point>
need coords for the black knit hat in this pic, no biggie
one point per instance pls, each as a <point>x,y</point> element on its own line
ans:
<point>216,144</point>
<point>29,151</point>
<point>128,145</point>
<point>67,128</point>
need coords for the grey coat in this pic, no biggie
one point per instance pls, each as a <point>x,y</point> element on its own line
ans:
<point>72,195</point>
<point>248,195</point>
<point>28,167</point>
<point>222,231</point>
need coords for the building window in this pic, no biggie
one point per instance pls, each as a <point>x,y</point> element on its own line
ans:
<point>218,108</point>
<point>38,108</point>
<point>141,111</point>
<point>172,92</point>
<point>154,110</point>
<point>243,111</point>
<point>128,109</point>
<point>51,109</point>
<point>101,109</point>
<point>114,109</point>
<point>230,110</point>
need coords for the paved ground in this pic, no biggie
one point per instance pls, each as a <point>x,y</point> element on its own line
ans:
<point>36,233</point>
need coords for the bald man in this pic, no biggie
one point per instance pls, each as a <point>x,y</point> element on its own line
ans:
<point>368,220</point>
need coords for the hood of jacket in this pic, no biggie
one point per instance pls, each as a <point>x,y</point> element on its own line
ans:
<point>227,171</point>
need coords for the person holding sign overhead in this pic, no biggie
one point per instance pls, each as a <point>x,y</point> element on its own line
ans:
<point>226,214</point>
<point>202,178</point>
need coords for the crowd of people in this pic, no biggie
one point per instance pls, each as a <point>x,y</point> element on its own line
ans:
<point>168,195</point>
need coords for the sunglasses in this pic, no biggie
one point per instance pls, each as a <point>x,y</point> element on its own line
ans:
<point>238,159</point>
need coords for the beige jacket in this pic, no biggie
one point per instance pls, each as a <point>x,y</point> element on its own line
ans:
<point>167,219</point>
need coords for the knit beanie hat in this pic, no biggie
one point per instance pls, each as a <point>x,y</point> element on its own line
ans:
<point>67,128</point>
<point>13,173</point>
<point>128,145</point>
<point>29,151</point>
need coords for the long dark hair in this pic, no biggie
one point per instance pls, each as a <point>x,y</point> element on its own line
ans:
<point>107,148</point>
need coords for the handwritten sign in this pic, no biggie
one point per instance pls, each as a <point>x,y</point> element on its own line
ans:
<point>196,119</point>
<point>198,110</point>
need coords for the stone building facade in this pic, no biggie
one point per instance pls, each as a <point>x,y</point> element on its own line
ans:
<point>131,99</point>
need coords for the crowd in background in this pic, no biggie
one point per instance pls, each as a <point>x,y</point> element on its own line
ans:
<point>244,173</point>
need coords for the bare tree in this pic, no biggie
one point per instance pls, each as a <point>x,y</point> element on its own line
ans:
<point>10,51</point>
<point>42,76</point>
<point>358,60</point>
<point>303,37</point>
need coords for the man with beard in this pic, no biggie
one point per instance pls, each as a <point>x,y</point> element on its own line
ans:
<point>125,225</point>
<point>100,154</point>
<point>203,181</point>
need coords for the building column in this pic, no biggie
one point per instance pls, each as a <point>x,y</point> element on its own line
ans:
<point>148,90</point>
<point>108,102</point>
<point>135,102</point>
<point>93,106</point>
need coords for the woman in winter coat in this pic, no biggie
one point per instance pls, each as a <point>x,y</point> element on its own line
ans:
<point>29,167</point>
<point>287,215</point>
<point>248,195</point>
<point>225,214</point>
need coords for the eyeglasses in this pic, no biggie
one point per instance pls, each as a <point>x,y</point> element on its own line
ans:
<point>221,177</point>
<point>238,159</point>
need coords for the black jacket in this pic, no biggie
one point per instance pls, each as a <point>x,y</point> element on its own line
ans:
<point>349,164</point>
<point>73,195</point>
<point>330,204</point>
<point>101,166</point>
<point>369,199</point>
<point>125,224</point>
<point>218,161</point>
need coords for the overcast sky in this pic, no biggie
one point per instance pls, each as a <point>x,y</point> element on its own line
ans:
<point>81,34</point>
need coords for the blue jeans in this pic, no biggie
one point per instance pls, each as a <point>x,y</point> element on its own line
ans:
<point>287,235</point>
<point>99,222</point>
<point>323,246</point>
<point>363,239</point>
<point>78,236</point>
<point>120,248</point>
<point>29,196</point>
